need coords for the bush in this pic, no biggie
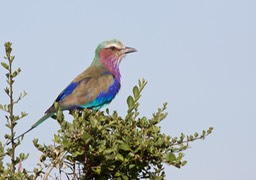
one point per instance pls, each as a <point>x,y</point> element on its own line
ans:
<point>97,145</point>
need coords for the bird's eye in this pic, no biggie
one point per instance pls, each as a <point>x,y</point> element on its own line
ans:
<point>113,48</point>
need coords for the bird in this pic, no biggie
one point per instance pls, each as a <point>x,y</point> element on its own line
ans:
<point>96,86</point>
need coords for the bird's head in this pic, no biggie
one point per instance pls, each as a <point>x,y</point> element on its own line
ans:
<point>110,53</point>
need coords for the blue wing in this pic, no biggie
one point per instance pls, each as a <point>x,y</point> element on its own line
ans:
<point>67,91</point>
<point>90,92</point>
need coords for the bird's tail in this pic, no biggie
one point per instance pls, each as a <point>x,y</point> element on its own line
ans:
<point>42,119</point>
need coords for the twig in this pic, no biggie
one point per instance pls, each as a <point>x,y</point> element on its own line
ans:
<point>53,165</point>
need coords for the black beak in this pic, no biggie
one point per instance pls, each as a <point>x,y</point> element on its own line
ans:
<point>129,50</point>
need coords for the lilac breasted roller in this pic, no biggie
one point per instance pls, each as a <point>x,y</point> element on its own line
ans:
<point>96,86</point>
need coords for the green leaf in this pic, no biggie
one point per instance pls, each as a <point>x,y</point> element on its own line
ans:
<point>59,114</point>
<point>8,125</point>
<point>209,131</point>
<point>131,166</point>
<point>109,150</point>
<point>183,163</point>
<point>6,66</point>
<point>7,136</point>
<point>124,177</point>
<point>86,137</point>
<point>23,156</point>
<point>77,153</point>
<point>96,169</point>
<point>18,70</point>
<point>93,122</point>
<point>12,58</point>
<point>130,101</point>
<point>196,134</point>
<point>119,157</point>
<point>14,74</point>
<point>56,138</point>
<point>42,157</point>
<point>7,90</point>
<point>23,114</point>
<point>117,174</point>
<point>124,147</point>
<point>136,92</point>
<point>170,157</point>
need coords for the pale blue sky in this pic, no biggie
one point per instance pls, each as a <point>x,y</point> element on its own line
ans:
<point>197,55</point>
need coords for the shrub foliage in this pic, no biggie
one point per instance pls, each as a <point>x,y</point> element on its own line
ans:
<point>98,145</point>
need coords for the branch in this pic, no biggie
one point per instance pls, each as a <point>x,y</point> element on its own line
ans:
<point>52,165</point>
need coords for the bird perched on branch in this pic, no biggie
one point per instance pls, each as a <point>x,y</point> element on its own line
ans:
<point>96,86</point>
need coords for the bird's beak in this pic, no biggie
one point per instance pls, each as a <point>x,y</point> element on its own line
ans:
<point>129,50</point>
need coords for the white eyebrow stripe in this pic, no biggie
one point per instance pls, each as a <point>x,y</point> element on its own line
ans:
<point>119,46</point>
